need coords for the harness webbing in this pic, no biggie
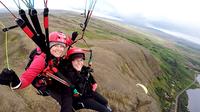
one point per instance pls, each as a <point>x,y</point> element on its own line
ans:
<point>35,21</point>
<point>46,27</point>
<point>38,37</point>
<point>64,81</point>
<point>31,35</point>
<point>58,79</point>
<point>22,14</point>
<point>36,24</point>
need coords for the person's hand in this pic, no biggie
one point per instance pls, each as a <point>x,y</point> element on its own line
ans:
<point>9,78</point>
<point>86,70</point>
<point>74,35</point>
<point>75,91</point>
<point>94,87</point>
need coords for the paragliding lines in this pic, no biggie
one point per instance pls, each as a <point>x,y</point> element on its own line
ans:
<point>46,27</point>
<point>17,4</point>
<point>8,9</point>
<point>28,3</point>
<point>45,3</point>
<point>87,15</point>
<point>6,46</point>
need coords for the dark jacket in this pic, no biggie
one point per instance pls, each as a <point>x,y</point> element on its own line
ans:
<point>81,80</point>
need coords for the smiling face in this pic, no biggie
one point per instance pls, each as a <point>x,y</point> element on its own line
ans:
<point>78,63</point>
<point>57,50</point>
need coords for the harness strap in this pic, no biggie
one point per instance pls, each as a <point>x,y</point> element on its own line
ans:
<point>22,14</point>
<point>58,79</point>
<point>35,21</point>
<point>46,27</point>
<point>56,75</point>
<point>36,24</point>
<point>31,35</point>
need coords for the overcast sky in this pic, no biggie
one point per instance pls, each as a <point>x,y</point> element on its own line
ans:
<point>184,12</point>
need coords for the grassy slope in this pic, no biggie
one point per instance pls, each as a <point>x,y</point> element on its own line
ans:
<point>121,55</point>
<point>177,62</point>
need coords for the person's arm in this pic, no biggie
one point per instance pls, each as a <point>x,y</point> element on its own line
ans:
<point>91,79</point>
<point>87,72</point>
<point>36,67</point>
<point>9,77</point>
<point>93,82</point>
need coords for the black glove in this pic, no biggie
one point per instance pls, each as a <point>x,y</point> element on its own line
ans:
<point>9,78</point>
<point>74,35</point>
<point>86,70</point>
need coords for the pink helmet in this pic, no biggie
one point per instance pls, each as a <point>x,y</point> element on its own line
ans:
<point>57,37</point>
<point>75,52</point>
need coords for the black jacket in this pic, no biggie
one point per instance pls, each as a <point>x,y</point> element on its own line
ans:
<point>81,80</point>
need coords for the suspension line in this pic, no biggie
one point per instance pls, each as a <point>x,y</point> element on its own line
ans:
<point>6,46</point>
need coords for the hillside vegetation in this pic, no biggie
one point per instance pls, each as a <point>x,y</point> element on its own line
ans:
<point>123,57</point>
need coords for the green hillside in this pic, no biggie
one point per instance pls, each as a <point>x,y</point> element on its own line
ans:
<point>178,63</point>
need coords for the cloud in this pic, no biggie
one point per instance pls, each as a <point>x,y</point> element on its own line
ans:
<point>183,13</point>
<point>179,35</point>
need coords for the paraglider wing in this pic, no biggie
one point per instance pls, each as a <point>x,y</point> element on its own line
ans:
<point>143,87</point>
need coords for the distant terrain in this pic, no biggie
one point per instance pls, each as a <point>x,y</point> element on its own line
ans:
<point>123,57</point>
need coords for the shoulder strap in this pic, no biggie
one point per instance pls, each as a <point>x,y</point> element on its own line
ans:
<point>34,52</point>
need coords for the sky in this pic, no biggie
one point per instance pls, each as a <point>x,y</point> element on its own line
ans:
<point>183,13</point>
